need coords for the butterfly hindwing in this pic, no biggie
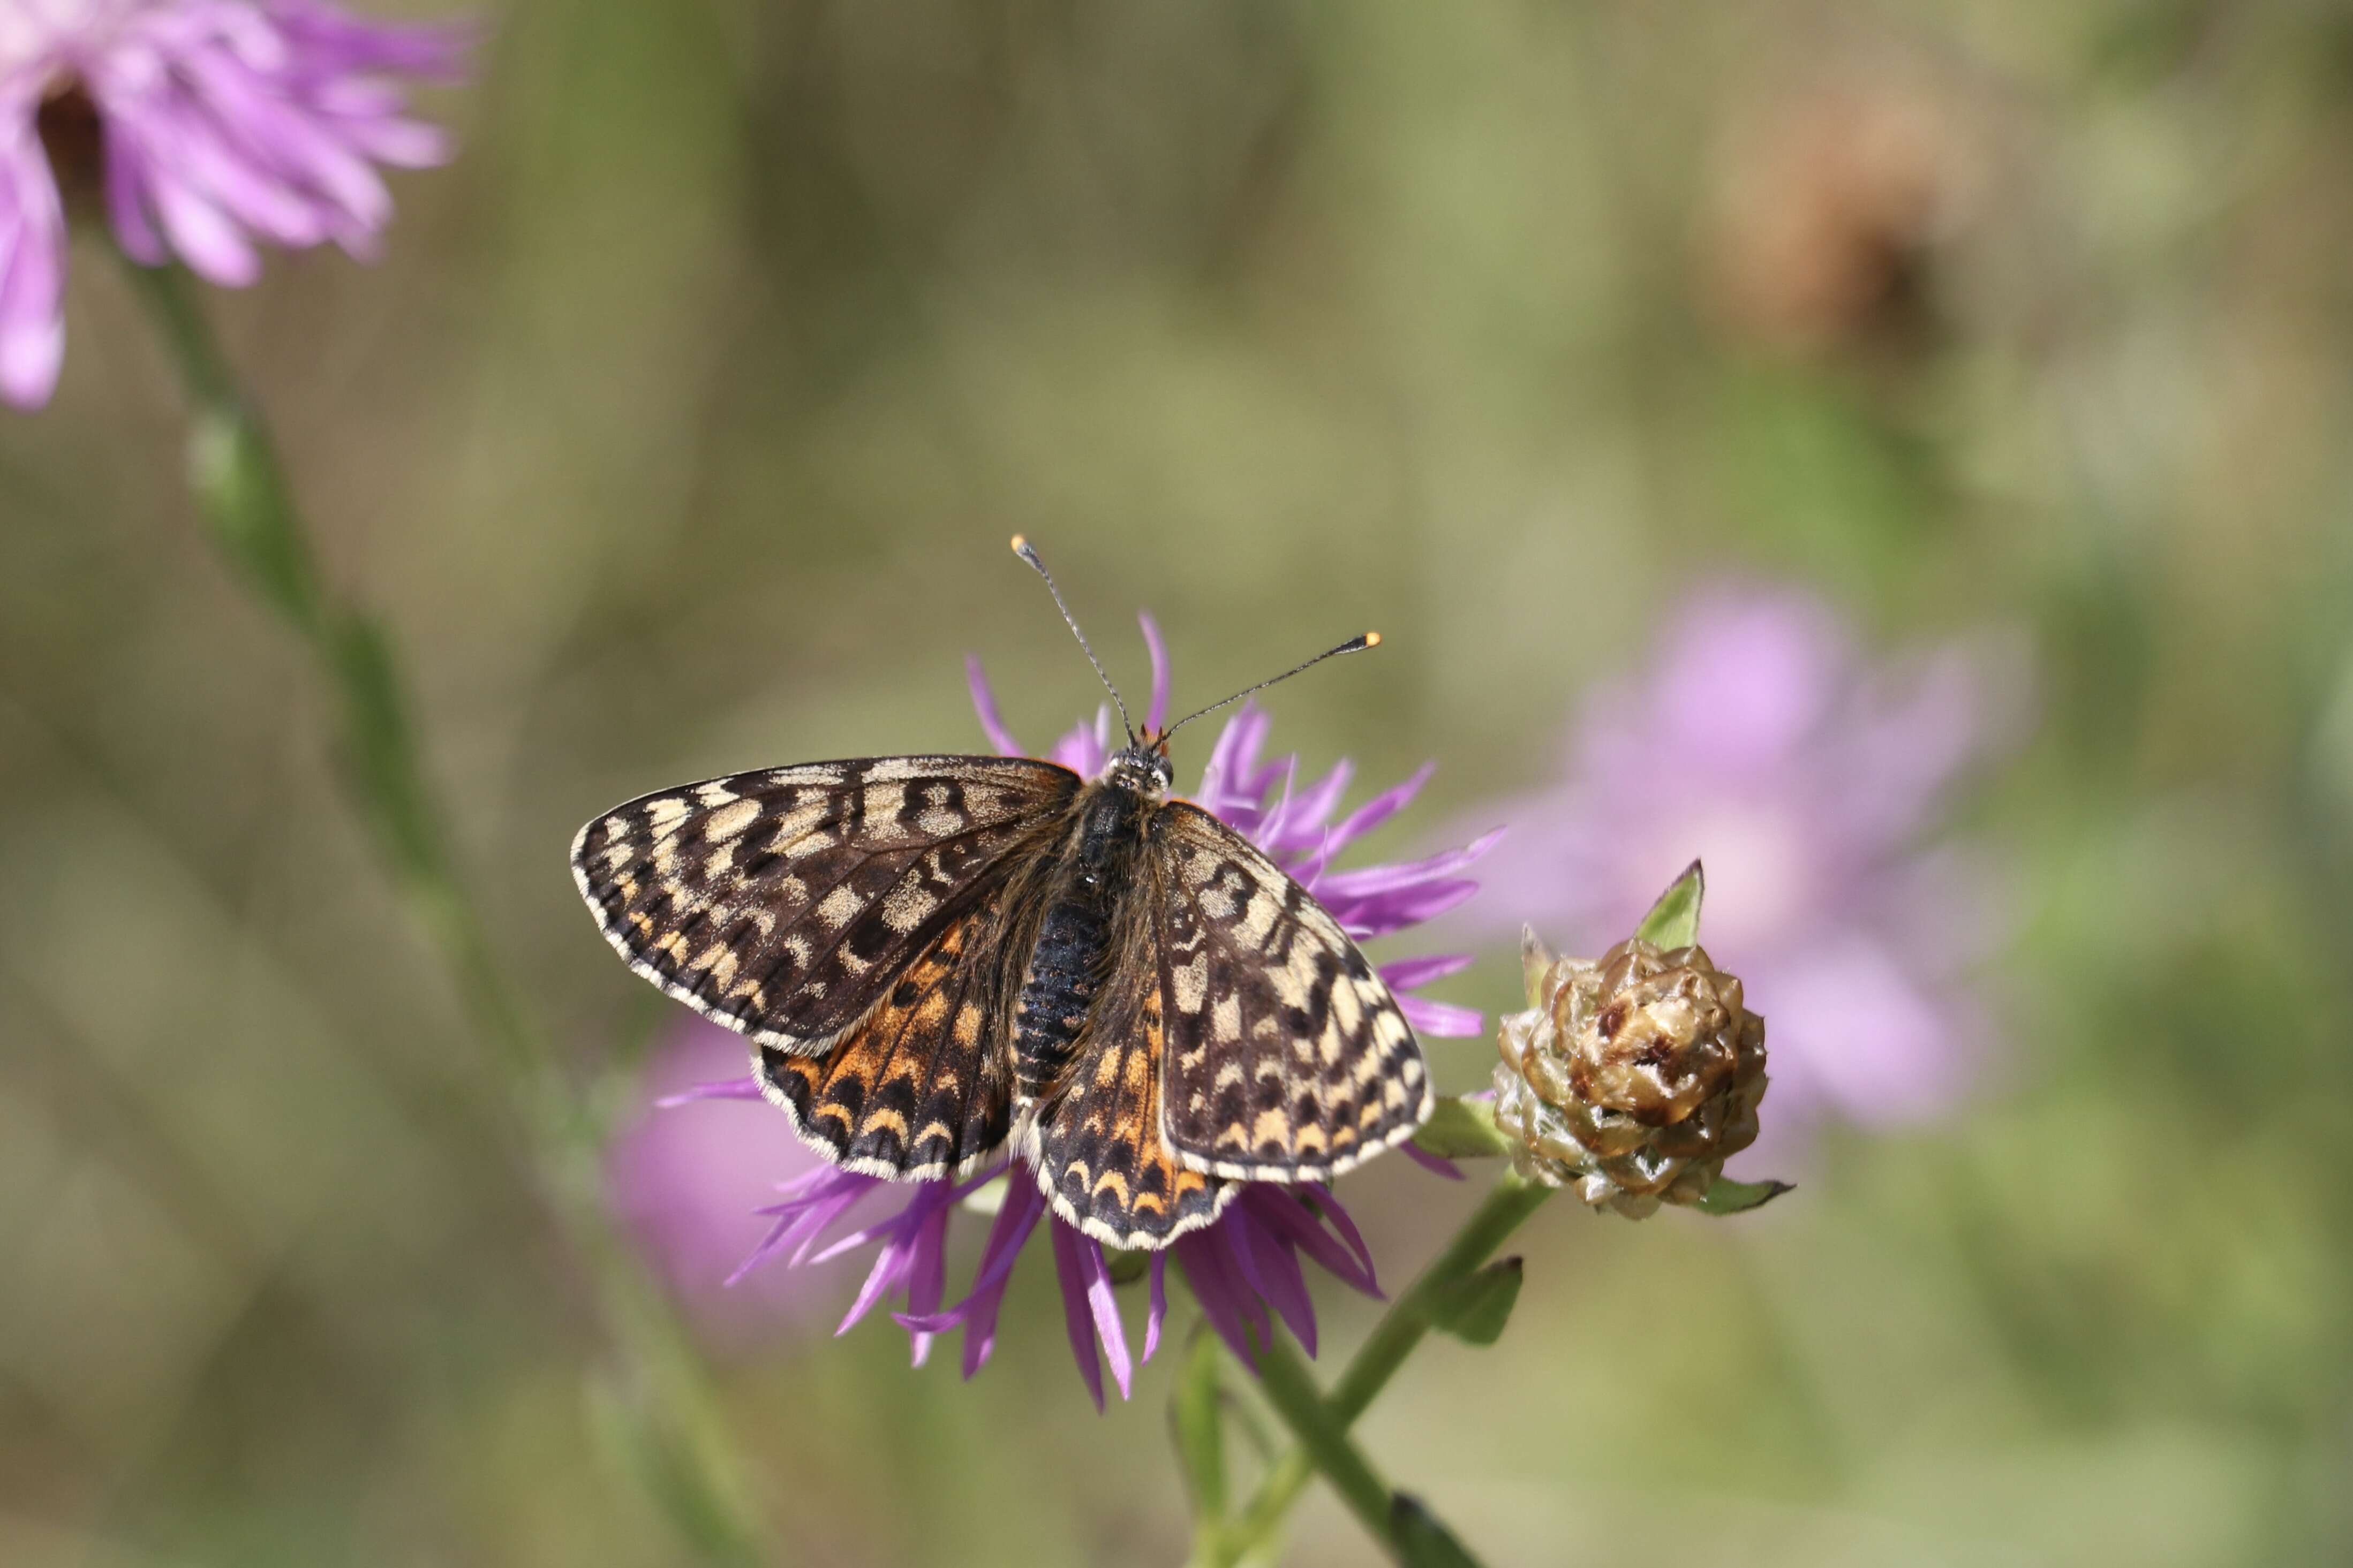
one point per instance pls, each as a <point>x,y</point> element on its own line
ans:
<point>1095,1143</point>
<point>919,1089</point>
<point>787,903</point>
<point>1286,1056</point>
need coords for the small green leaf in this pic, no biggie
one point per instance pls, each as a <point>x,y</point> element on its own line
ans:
<point>1196,1422</point>
<point>1537,957</point>
<point>1739,1197</point>
<point>1475,1308</point>
<point>1126,1267</point>
<point>1462,1129</point>
<point>235,479</point>
<point>1673,920</point>
<point>1421,1540</point>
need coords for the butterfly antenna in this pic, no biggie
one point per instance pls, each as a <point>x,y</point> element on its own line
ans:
<point>1354,645</point>
<point>1022,548</point>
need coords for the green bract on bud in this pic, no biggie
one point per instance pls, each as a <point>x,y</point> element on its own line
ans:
<point>1635,1077</point>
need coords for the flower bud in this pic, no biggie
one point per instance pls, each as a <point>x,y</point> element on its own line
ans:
<point>1635,1077</point>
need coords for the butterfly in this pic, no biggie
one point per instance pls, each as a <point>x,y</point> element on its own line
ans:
<point>939,957</point>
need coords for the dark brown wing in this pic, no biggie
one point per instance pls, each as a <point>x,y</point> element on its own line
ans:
<point>922,1087</point>
<point>1095,1142</point>
<point>1287,1058</point>
<point>787,903</point>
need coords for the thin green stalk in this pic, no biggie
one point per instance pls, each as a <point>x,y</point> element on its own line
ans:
<point>1406,1531</point>
<point>653,1389</point>
<point>1393,1339</point>
<point>1196,1425</point>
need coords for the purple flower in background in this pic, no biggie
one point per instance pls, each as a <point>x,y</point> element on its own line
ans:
<point>210,124</point>
<point>1813,783</point>
<point>678,1183</point>
<point>1246,1267</point>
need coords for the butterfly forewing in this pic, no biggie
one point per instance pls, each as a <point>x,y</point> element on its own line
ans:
<point>1286,1056</point>
<point>788,903</point>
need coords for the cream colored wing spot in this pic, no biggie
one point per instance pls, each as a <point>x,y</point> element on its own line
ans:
<point>837,908</point>
<point>1192,984</point>
<point>907,906</point>
<point>794,824</point>
<point>806,845</point>
<point>732,817</point>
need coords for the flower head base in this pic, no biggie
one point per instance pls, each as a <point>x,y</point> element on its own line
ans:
<point>1635,1077</point>
<point>209,124</point>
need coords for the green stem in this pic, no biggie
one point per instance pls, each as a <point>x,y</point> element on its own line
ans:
<point>1196,1424</point>
<point>1393,1339</point>
<point>1405,1531</point>
<point>654,1386</point>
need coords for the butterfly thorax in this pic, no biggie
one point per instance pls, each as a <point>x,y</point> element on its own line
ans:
<point>1075,940</point>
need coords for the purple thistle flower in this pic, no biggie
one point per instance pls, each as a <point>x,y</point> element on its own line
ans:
<point>1811,784</point>
<point>1245,1268</point>
<point>219,123</point>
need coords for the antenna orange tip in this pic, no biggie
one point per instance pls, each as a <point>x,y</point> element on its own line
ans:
<point>1372,639</point>
<point>1019,544</point>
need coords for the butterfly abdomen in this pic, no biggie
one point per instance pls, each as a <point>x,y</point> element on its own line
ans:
<point>1064,973</point>
<point>1067,967</point>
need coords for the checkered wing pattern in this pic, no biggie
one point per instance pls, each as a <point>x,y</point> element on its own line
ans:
<point>1095,1143</point>
<point>922,1087</point>
<point>1286,1058</point>
<point>788,904</point>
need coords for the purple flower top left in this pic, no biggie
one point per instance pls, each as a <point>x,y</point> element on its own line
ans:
<point>211,124</point>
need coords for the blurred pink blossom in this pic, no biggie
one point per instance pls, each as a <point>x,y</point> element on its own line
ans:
<point>678,1183</point>
<point>1815,784</point>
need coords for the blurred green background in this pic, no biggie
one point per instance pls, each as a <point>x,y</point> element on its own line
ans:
<point>680,430</point>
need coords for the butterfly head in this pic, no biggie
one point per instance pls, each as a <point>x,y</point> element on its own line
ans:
<point>1143,768</point>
